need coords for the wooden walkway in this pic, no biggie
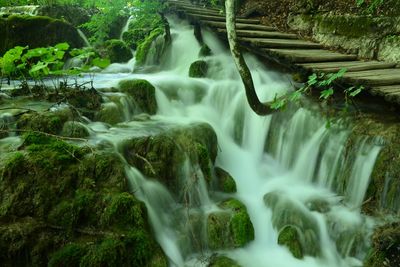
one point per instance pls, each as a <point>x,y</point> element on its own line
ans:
<point>380,78</point>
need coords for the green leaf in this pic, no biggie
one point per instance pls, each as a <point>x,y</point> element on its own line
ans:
<point>295,96</point>
<point>325,94</point>
<point>356,91</point>
<point>101,62</point>
<point>279,103</point>
<point>312,79</point>
<point>38,69</point>
<point>62,46</point>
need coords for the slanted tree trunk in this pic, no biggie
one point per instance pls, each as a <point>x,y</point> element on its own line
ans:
<point>252,98</point>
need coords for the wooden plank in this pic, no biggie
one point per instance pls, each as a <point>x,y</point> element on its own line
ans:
<point>188,4</point>
<point>200,11</point>
<point>384,90</point>
<point>309,55</point>
<point>374,77</point>
<point>279,43</point>
<point>349,65</point>
<point>222,18</point>
<point>261,34</point>
<point>239,26</point>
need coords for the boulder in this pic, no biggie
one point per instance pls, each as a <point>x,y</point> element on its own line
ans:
<point>290,237</point>
<point>222,261</point>
<point>163,156</point>
<point>224,181</point>
<point>36,31</point>
<point>117,51</point>
<point>231,227</point>
<point>142,92</point>
<point>198,69</point>
<point>75,129</point>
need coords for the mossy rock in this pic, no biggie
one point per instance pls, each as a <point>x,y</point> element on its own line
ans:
<point>64,205</point>
<point>86,101</point>
<point>144,47</point>
<point>75,129</point>
<point>162,156</point>
<point>205,51</point>
<point>289,237</point>
<point>142,92</point>
<point>73,14</point>
<point>386,246</point>
<point>47,122</point>
<point>117,51</point>
<point>109,113</point>
<point>225,182</point>
<point>198,69</point>
<point>231,227</point>
<point>222,261</point>
<point>36,31</point>
<point>286,212</point>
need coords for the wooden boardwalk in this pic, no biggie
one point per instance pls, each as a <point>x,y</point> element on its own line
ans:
<point>380,78</point>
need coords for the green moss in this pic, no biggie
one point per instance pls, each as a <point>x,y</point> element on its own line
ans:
<point>144,46</point>
<point>205,51</point>
<point>222,261</point>
<point>117,51</point>
<point>230,228</point>
<point>225,182</point>
<point>162,156</point>
<point>74,129</point>
<point>125,211</point>
<point>198,69</point>
<point>44,122</point>
<point>68,256</point>
<point>289,237</point>
<point>386,244</point>
<point>143,93</point>
<point>36,31</point>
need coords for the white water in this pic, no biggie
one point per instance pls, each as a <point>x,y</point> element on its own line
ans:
<point>288,160</point>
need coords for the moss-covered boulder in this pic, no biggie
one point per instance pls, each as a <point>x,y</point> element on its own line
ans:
<point>224,181</point>
<point>36,31</point>
<point>64,205</point>
<point>86,101</point>
<point>290,237</point>
<point>222,261</point>
<point>47,122</point>
<point>163,156</point>
<point>198,69</point>
<point>386,247</point>
<point>143,94</point>
<point>205,51</point>
<point>231,227</point>
<point>109,113</point>
<point>74,14</point>
<point>117,51</point>
<point>74,129</point>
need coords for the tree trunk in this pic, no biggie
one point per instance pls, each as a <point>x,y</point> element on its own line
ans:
<point>252,98</point>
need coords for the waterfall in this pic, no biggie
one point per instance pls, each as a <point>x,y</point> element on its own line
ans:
<point>288,167</point>
<point>84,38</point>
<point>24,10</point>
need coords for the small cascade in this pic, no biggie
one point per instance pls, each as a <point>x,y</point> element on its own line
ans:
<point>126,27</point>
<point>84,38</point>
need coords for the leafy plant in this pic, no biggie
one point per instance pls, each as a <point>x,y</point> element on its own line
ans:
<point>323,81</point>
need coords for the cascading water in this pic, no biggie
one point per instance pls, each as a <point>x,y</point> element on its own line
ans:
<point>286,166</point>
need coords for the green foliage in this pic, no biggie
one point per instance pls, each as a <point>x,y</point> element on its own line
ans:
<point>86,3</point>
<point>117,51</point>
<point>370,6</point>
<point>325,82</point>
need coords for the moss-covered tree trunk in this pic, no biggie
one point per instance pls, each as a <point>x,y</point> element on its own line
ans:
<point>252,98</point>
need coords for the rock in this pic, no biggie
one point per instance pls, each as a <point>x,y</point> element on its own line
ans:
<point>109,113</point>
<point>47,122</point>
<point>222,261</point>
<point>290,237</point>
<point>74,14</point>
<point>198,69</point>
<point>75,129</point>
<point>36,31</point>
<point>142,92</point>
<point>87,101</point>
<point>205,51</point>
<point>386,247</point>
<point>64,205</point>
<point>117,51</point>
<point>225,182</point>
<point>229,228</point>
<point>163,156</point>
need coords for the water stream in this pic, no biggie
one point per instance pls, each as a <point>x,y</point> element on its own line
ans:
<point>282,164</point>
